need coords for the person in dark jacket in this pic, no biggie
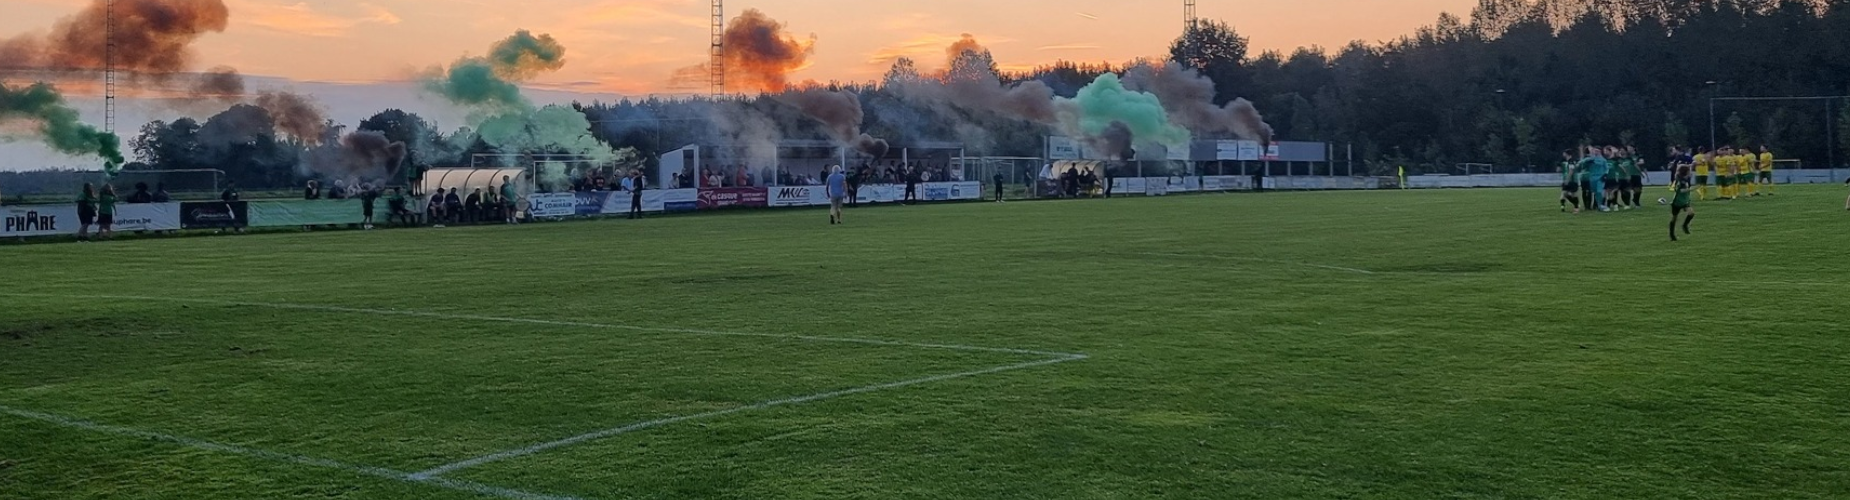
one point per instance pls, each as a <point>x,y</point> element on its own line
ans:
<point>160,193</point>
<point>312,192</point>
<point>141,194</point>
<point>472,207</point>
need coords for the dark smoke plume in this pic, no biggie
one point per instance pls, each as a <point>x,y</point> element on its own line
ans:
<point>759,56</point>
<point>1115,140</point>
<point>840,113</point>
<point>295,115</point>
<point>152,37</point>
<point>971,83</point>
<point>219,83</point>
<point>367,155</point>
<point>1189,99</point>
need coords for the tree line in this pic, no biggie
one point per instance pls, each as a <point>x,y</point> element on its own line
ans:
<point>1512,83</point>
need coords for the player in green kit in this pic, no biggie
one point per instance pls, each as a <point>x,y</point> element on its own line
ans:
<point>1621,184</point>
<point>1680,206</point>
<point>1570,186</point>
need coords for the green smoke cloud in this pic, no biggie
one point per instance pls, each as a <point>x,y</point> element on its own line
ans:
<point>489,82</point>
<point>552,129</point>
<point>58,124</point>
<point>473,82</point>
<point>1093,110</point>
<point>524,56</point>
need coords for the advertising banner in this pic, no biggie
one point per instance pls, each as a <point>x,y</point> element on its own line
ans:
<point>935,192</point>
<point>799,196</point>
<point>966,190</point>
<point>1062,148</point>
<point>1210,183</point>
<point>50,220</point>
<point>147,217</point>
<point>304,212</point>
<point>675,200</point>
<point>1156,187</point>
<point>214,214</point>
<point>552,204</point>
<point>712,198</point>
<point>38,220</point>
<point>594,203</point>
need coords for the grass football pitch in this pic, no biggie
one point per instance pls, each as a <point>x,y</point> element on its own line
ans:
<point>1393,345</point>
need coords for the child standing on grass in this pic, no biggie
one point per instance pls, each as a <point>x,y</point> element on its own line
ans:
<point>1681,206</point>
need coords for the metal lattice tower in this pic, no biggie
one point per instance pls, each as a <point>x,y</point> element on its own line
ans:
<point>109,66</point>
<point>717,54</point>
<point>1188,15</point>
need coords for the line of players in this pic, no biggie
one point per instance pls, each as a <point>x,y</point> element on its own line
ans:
<point>1611,178</point>
<point>1738,173</point>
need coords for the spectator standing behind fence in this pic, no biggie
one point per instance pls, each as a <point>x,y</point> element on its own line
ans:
<point>141,194</point>
<point>160,193</point>
<point>312,192</point>
<point>339,192</point>
<point>86,211</point>
<point>999,180</point>
<point>230,194</point>
<point>106,212</point>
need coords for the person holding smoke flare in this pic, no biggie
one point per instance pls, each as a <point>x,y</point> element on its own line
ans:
<point>86,211</point>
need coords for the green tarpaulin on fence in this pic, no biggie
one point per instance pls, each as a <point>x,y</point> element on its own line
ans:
<point>304,212</point>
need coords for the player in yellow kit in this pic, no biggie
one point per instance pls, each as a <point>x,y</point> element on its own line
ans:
<point>1766,169</point>
<point>1725,173</point>
<point>1735,166</point>
<point>1703,160</point>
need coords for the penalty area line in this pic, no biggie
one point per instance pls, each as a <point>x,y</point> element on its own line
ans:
<point>615,431</point>
<point>465,486</point>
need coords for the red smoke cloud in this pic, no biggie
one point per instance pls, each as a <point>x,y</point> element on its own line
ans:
<point>759,56</point>
<point>152,36</point>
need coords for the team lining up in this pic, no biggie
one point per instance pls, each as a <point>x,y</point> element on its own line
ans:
<point>1610,178</point>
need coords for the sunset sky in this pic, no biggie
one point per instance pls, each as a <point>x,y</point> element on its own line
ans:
<point>632,46</point>
<point>356,57</point>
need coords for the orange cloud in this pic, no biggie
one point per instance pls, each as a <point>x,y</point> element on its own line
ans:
<point>301,19</point>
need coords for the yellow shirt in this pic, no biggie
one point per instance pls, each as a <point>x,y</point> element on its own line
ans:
<point>1766,161</point>
<point>1734,165</point>
<point>1702,164</point>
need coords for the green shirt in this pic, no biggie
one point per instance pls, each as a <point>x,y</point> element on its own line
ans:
<point>106,205</point>
<point>1567,171</point>
<point>1626,167</point>
<point>508,192</point>
<point>1683,190</point>
<point>86,201</point>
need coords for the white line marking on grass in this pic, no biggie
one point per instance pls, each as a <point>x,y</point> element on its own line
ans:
<point>465,486</point>
<point>592,436</point>
<point>1256,259</point>
<point>431,476</point>
<point>472,317</point>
